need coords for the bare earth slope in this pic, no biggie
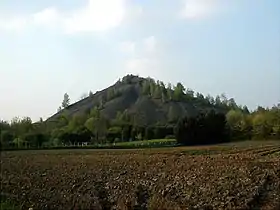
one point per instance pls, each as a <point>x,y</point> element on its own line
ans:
<point>221,177</point>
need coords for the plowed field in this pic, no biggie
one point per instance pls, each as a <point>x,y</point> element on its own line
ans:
<point>215,177</point>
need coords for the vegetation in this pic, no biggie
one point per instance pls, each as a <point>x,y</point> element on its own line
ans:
<point>158,111</point>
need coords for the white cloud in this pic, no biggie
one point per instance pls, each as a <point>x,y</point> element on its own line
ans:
<point>16,24</point>
<point>198,9</point>
<point>96,15</point>
<point>144,59</point>
<point>47,16</point>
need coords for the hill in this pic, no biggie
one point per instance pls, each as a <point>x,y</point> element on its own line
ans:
<point>146,101</point>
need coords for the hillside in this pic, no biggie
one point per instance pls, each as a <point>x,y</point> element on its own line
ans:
<point>149,102</point>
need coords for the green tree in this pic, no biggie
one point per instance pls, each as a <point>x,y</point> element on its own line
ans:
<point>172,115</point>
<point>66,101</point>
<point>146,88</point>
<point>157,92</point>
<point>170,92</point>
<point>152,88</point>
<point>245,110</point>
<point>90,94</point>
<point>240,124</point>
<point>110,94</point>
<point>6,138</point>
<point>261,127</point>
<point>232,104</point>
<point>149,133</point>
<point>190,93</point>
<point>77,121</point>
<point>179,91</point>
<point>218,101</point>
<point>98,125</point>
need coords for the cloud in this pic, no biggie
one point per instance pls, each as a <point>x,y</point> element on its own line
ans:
<point>199,9</point>
<point>144,57</point>
<point>96,15</point>
<point>15,24</point>
<point>48,16</point>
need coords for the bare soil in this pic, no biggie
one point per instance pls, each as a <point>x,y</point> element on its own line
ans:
<point>218,177</point>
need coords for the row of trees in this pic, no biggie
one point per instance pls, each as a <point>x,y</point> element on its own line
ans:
<point>237,121</point>
<point>158,90</point>
<point>205,128</point>
<point>260,124</point>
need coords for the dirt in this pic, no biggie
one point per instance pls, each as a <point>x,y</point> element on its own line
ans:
<point>143,179</point>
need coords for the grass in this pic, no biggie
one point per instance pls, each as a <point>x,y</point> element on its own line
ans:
<point>155,143</point>
<point>5,205</point>
<point>147,142</point>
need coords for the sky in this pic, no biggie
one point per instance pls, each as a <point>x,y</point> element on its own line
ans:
<point>48,48</point>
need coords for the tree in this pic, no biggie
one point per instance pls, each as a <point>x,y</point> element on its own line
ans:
<point>210,99</point>
<point>261,127</point>
<point>66,101</point>
<point>179,91</point>
<point>218,101</point>
<point>77,121</point>
<point>205,128</point>
<point>224,99</point>
<point>146,87</point>
<point>232,104</point>
<point>240,125</point>
<point>157,92</point>
<point>190,93</point>
<point>114,133</point>
<point>172,115</point>
<point>59,109</point>
<point>97,124</point>
<point>245,110</point>
<point>170,94</point>
<point>90,94</point>
<point>152,87</point>
<point>110,94</point>
<point>6,138</point>
<point>83,96</point>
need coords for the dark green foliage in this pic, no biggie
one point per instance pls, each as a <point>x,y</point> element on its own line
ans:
<point>149,133</point>
<point>66,101</point>
<point>35,139</point>
<point>206,128</point>
<point>161,132</point>
<point>172,115</point>
<point>179,92</point>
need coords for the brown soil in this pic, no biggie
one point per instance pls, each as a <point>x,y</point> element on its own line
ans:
<point>143,179</point>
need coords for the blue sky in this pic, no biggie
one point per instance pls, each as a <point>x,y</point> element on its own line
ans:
<point>51,47</point>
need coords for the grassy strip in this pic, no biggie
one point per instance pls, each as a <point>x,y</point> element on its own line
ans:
<point>5,205</point>
<point>156,143</point>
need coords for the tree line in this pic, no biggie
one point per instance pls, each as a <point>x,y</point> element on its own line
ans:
<point>230,123</point>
